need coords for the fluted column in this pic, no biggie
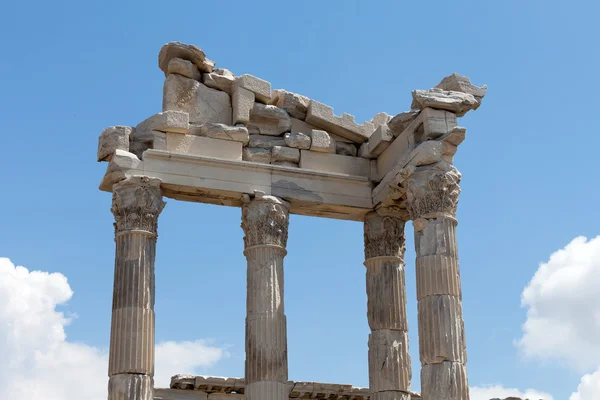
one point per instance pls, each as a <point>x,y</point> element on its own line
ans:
<point>136,204</point>
<point>389,359</point>
<point>265,223</point>
<point>432,199</point>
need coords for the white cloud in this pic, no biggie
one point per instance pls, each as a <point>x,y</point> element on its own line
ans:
<point>563,300</point>
<point>500,392</point>
<point>589,387</point>
<point>39,363</point>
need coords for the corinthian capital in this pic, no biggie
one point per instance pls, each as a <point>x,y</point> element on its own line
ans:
<point>384,233</point>
<point>136,204</point>
<point>265,220</point>
<point>433,191</point>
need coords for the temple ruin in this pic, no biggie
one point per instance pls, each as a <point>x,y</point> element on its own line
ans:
<point>232,140</point>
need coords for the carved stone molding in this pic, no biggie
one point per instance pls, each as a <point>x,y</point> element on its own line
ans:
<point>136,204</point>
<point>433,191</point>
<point>384,233</point>
<point>265,220</point>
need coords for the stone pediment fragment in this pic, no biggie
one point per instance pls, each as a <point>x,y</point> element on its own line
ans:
<point>456,102</point>
<point>461,83</point>
<point>186,52</point>
<point>322,116</point>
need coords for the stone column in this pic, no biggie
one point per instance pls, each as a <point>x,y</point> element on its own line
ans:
<point>389,359</point>
<point>432,199</point>
<point>265,223</point>
<point>136,204</point>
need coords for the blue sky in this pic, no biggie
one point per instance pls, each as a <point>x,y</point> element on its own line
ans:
<point>529,164</point>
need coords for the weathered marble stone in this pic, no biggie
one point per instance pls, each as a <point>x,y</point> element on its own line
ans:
<point>143,139</point>
<point>380,140</point>
<point>221,79</point>
<point>184,51</point>
<point>399,122</point>
<point>297,140</point>
<point>221,131</point>
<point>461,83</point>
<point>202,103</point>
<point>114,138</point>
<point>295,104</point>
<point>166,121</point>
<point>321,141</point>
<point>242,101</point>
<point>285,164</point>
<point>259,155</point>
<point>381,118</point>
<point>345,149</point>
<point>456,102</point>
<point>336,163</point>
<point>268,120</point>
<point>183,67</point>
<point>204,146</point>
<point>121,162</point>
<point>282,153</point>
<point>260,87</point>
<point>265,142</point>
<point>321,115</point>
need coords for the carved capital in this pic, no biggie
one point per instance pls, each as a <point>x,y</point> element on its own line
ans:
<point>136,204</point>
<point>433,191</point>
<point>384,233</point>
<point>265,220</point>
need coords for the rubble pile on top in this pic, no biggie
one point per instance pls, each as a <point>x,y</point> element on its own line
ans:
<point>210,112</point>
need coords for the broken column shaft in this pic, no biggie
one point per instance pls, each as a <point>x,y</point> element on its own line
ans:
<point>432,199</point>
<point>389,359</point>
<point>265,222</point>
<point>137,202</point>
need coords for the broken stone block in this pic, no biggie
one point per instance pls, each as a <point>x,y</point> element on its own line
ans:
<point>142,140</point>
<point>380,140</point>
<point>321,142</point>
<point>285,164</point>
<point>221,131</point>
<point>345,149</point>
<point>456,102</point>
<point>121,162</point>
<point>380,119</point>
<point>183,67</point>
<point>204,146</point>
<point>282,153</point>
<point>242,102</point>
<point>265,142</point>
<point>221,79</point>
<point>257,155</point>
<point>336,163</point>
<point>114,138</point>
<point>293,103</point>
<point>461,83</point>
<point>436,123</point>
<point>202,103</point>
<point>399,122</point>
<point>260,88</point>
<point>299,126</point>
<point>321,115</point>
<point>297,140</point>
<point>363,151</point>
<point>166,121</point>
<point>184,51</point>
<point>268,120</point>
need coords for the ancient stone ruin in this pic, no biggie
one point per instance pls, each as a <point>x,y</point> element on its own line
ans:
<point>232,140</point>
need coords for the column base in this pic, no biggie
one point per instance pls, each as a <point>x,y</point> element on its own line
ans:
<point>390,395</point>
<point>266,390</point>
<point>130,387</point>
<point>444,381</point>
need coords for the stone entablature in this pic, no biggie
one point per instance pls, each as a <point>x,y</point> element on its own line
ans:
<point>231,140</point>
<point>204,387</point>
